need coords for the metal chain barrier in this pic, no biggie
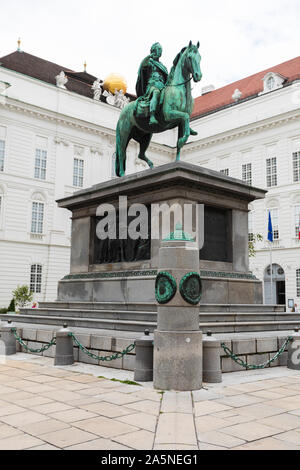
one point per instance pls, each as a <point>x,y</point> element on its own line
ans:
<point>239,361</point>
<point>128,350</point>
<point>24,345</point>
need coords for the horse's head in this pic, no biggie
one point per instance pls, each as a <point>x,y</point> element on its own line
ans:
<point>192,61</point>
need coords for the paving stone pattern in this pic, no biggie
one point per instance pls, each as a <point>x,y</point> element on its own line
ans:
<point>43,407</point>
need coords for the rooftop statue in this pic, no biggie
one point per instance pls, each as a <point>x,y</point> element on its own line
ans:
<point>164,102</point>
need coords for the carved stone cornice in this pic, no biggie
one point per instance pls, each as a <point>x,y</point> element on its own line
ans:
<point>53,117</point>
<point>96,150</point>
<point>241,132</point>
<point>59,140</point>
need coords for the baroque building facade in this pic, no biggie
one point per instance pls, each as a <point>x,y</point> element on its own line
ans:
<point>56,138</point>
<point>250,130</point>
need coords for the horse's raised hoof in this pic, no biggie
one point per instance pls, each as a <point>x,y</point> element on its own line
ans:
<point>193,132</point>
<point>150,164</point>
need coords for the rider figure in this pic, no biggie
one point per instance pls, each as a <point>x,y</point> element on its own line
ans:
<point>152,78</point>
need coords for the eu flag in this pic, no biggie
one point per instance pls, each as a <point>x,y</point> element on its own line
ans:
<point>270,229</point>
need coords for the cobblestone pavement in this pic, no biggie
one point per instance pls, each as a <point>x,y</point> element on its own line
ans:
<point>45,407</point>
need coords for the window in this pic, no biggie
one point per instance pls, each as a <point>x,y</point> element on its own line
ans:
<point>274,216</point>
<point>271,83</point>
<point>296,167</point>
<point>250,227</point>
<point>40,164</point>
<point>225,172</point>
<point>2,154</point>
<point>271,172</point>
<point>297,221</point>
<point>36,278</point>
<point>298,282</point>
<point>78,173</point>
<point>37,219</point>
<point>247,173</point>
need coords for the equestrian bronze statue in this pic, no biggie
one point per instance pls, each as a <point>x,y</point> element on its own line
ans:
<point>164,102</point>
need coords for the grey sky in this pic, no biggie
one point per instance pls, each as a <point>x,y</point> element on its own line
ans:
<point>238,37</point>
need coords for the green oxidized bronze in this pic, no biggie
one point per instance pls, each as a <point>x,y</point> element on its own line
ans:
<point>179,235</point>
<point>165,287</point>
<point>191,288</point>
<point>164,102</point>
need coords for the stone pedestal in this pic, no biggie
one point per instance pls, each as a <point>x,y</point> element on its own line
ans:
<point>125,271</point>
<point>178,341</point>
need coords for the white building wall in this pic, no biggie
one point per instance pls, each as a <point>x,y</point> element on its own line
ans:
<point>35,114</point>
<point>251,132</point>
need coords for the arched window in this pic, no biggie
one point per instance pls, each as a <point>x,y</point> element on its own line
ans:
<point>37,214</point>
<point>271,83</point>
<point>36,278</point>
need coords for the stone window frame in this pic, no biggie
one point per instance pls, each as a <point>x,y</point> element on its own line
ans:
<point>271,172</point>
<point>296,167</point>
<point>297,220</point>
<point>78,172</point>
<point>275,222</point>
<point>36,278</point>
<point>2,154</point>
<point>37,217</point>
<point>247,173</point>
<point>40,163</point>
<point>298,282</point>
<point>276,79</point>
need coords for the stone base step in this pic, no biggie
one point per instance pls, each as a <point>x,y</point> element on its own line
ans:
<point>211,322</point>
<point>145,316</point>
<point>152,307</point>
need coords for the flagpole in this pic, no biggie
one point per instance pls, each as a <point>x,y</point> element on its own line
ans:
<point>271,265</point>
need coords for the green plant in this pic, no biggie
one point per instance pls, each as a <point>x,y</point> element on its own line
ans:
<point>12,307</point>
<point>22,295</point>
<point>3,310</point>
<point>127,382</point>
<point>253,239</point>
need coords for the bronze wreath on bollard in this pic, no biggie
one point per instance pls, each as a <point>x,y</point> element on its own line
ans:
<point>165,287</point>
<point>191,288</point>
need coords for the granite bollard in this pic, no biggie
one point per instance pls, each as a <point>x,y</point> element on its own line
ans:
<point>64,355</point>
<point>8,339</point>
<point>212,373</point>
<point>178,340</point>
<point>143,370</point>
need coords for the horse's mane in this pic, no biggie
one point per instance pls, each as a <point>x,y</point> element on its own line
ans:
<point>176,60</point>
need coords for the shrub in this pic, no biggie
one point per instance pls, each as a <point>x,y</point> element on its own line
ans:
<point>22,296</point>
<point>3,310</point>
<point>12,306</point>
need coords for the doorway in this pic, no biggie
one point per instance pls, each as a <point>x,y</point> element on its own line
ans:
<point>275,290</point>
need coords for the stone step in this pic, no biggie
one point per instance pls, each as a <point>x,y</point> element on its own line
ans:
<point>152,316</point>
<point>130,325</point>
<point>152,307</point>
<point>97,314</point>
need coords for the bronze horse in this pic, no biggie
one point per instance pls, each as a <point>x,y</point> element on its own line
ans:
<point>176,105</point>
